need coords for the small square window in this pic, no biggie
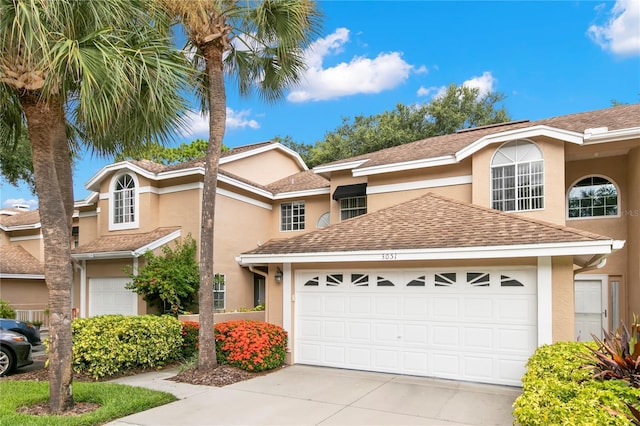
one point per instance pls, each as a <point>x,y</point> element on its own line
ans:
<point>292,216</point>
<point>352,207</point>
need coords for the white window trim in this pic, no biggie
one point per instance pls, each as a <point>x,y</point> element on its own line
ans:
<point>304,222</point>
<point>112,186</point>
<point>366,206</point>
<point>613,216</point>
<point>544,171</point>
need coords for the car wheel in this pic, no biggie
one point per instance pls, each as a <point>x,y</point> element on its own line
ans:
<point>7,361</point>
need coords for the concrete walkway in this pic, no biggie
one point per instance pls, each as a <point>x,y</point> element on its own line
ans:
<point>305,395</point>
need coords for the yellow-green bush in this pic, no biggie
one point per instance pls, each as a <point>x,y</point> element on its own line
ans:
<point>109,344</point>
<point>558,390</point>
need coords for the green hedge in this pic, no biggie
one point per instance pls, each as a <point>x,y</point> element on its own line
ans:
<point>109,344</point>
<point>558,390</point>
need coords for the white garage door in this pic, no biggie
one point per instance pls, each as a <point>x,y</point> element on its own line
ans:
<point>477,325</point>
<point>109,296</point>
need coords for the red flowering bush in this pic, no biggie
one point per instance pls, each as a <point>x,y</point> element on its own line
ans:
<point>189,331</point>
<point>250,345</point>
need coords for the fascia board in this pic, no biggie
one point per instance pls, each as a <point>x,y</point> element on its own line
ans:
<point>22,276</point>
<point>612,135</point>
<point>464,253</point>
<point>104,255</point>
<point>528,132</point>
<point>122,165</point>
<point>157,243</point>
<point>301,194</point>
<point>245,186</point>
<point>21,227</point>
<point>265,148</point>
<point>337,167</point>
<point>172,174</point>
<point>407,165</point>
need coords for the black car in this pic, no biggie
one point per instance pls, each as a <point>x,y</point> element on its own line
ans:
<point>21,327</point>
<point>15,351</point>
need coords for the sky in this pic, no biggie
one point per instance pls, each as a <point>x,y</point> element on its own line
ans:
<point>548,58</point>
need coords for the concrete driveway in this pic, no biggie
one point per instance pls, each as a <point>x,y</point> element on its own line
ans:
<point>305,395</point>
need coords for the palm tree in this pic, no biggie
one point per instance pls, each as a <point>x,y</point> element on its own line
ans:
<point>102,73</point>
<point>261,44</point>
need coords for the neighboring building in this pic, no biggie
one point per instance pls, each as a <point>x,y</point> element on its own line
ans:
<point>454,256</point>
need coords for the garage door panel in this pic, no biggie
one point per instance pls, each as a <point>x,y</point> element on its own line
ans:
<point>441,325</point>
<point>479,309</point>
<point>110,296</point>
<point>446,308</point>
<point>360,331</point>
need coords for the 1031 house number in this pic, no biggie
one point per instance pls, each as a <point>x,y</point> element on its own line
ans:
<point>389,256</point>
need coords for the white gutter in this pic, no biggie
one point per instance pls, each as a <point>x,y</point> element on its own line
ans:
<point>482,252</point>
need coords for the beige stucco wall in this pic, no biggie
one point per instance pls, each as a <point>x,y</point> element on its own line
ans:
<point>24,294</point>
<point>562,294</point>
<point>181,209</point>
<point>314,207</point>
<point>264,168</point>
<point>338,179</point>
<point>632,213</point>
<point>34,245</point>
<point>426,177</point>
<point>554,176</point>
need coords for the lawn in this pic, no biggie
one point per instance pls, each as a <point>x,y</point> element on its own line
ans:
<point>115,401</point>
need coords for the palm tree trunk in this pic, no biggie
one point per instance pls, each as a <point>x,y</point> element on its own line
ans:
<point>217,117</point>
<point>46,124</point>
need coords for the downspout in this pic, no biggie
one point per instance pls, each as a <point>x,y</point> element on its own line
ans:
<point>596,262</point>
<point>255,271</point>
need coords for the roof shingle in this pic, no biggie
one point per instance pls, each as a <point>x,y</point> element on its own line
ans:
<point>123,242</point>
<point>16,260</point>
<point>428,222</point>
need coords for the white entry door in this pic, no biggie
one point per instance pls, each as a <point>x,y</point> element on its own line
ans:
<point>590,306</point>
<point>109,296</point>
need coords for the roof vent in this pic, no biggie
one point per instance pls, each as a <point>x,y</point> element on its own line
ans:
<point>21,207</point>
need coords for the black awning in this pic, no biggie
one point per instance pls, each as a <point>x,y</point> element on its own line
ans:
<point>348,191</point>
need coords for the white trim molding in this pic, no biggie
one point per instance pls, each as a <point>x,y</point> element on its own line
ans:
<point>301,194</point>
<point>125,254</point>
<point>407,165</point>
<point>594,136</point>
<point>545,301</point>
<point>337,167</point>
<point>22,276</point>
<point>265,148</point>
<point>243,198</point>
<point>27,238</point>
<point>578,248</point>
<point>420,184</point>
<point>287,301</point>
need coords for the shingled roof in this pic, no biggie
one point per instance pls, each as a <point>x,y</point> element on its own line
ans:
<point>299,182</point>
<point>20,218</point>
<point>15,260</point>
<point>428,222</point>
<point>615,118</point>
<point>127,243</point>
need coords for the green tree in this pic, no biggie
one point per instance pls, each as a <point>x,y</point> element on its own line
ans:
<point>102,73</point>
<point>458,108</point>
<point>261,45</point>
<point>194,150</point>
<point>170,281</point>
<point>16,164</point>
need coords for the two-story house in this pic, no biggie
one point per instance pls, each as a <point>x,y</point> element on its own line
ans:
<point>454,256</point>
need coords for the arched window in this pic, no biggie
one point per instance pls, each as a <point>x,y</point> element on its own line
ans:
<point>517,177</point>
<point>124,200</point>
<point>593,196</point>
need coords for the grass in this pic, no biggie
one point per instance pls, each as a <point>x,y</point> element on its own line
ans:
<point>115,401</point>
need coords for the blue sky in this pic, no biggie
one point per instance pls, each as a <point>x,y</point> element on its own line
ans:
<point>548,57</point>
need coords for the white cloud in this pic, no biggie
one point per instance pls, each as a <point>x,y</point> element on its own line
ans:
<point>20,201</point>
<point>360,75</point>
<point>484,82</point>
<point>621,33</point>
<point>198,124</point>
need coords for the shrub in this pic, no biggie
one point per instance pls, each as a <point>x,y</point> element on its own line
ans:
<point>109,344</point>
<point>189,331</point>
<point>618,355</point>
<point>6,311</point>
<point>171,281</point>
<point>558,390</point>
<point>250,345</point>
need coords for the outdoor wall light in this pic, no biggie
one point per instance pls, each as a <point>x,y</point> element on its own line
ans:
<point>278,274</point>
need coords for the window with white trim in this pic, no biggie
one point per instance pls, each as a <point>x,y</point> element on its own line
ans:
<point>593,196</point>
<point>517,177</point>
<point>219,292</point>
<point>123,200</point>
<point>352,207</point>
<point>292,216</point>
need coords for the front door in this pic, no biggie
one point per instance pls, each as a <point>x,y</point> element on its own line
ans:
<point>590,306</point>
<point>258,290</point>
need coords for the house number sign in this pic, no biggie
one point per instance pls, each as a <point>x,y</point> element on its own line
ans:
<point>389,256</point>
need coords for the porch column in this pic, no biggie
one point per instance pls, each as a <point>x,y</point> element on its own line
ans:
<point>287,300</point>
<point>545,310</point>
